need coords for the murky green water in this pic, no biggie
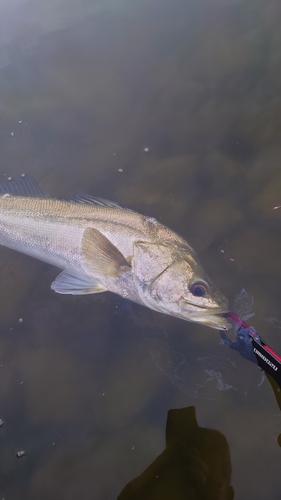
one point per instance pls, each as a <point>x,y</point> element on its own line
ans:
<point>86,382</point>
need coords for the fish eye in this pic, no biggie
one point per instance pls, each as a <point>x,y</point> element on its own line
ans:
<point>199,289</point>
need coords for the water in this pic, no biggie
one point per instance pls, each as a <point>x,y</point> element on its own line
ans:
<point>171,109</point>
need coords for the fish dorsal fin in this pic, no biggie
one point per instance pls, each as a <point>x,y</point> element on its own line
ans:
<point>93,200</point>
<point>101,257</point>
<point>69,282</point>
<point>25,185</point>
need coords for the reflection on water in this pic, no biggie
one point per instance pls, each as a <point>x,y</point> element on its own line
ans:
<point>214,372</point>
<point>195,464</point>
<point>86,87</point>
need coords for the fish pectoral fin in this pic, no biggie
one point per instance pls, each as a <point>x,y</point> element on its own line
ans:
<point>68,282</point>
<point>101,257</point>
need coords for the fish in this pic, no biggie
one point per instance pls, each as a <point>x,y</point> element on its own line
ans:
<point>101,246</point>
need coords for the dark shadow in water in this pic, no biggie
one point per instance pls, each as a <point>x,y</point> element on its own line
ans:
<point>277,393</point>
<point>195,464</point>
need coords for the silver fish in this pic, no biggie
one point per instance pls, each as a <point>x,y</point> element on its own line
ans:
<point>101,246</point>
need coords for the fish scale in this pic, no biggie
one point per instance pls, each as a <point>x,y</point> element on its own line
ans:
<point>103,247</point>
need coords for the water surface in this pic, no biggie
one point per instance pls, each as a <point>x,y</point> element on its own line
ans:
<point>85,88</point>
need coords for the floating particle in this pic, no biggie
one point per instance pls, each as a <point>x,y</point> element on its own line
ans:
<point>12,134</point>
<point>20,453</point>
<point>20,121</point>
<point>9,178</point>
<point>21,320</point>
<point>133,447</point>
<point>1,422</point>
<point>120,170</point>
<point>222,251</point>
<point>146,150</point>
<point>232,260</point>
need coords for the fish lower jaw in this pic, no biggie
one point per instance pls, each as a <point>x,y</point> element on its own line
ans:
<point>215,320</point>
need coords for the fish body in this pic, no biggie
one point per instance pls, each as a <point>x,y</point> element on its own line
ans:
<point>103,247</point>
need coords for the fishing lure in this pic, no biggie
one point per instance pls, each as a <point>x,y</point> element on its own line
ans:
<point>250,346</point>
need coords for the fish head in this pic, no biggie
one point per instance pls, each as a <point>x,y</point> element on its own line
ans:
<point>174,283</point>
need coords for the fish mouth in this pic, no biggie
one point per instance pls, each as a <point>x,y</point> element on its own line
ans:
<point>215,319</point>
